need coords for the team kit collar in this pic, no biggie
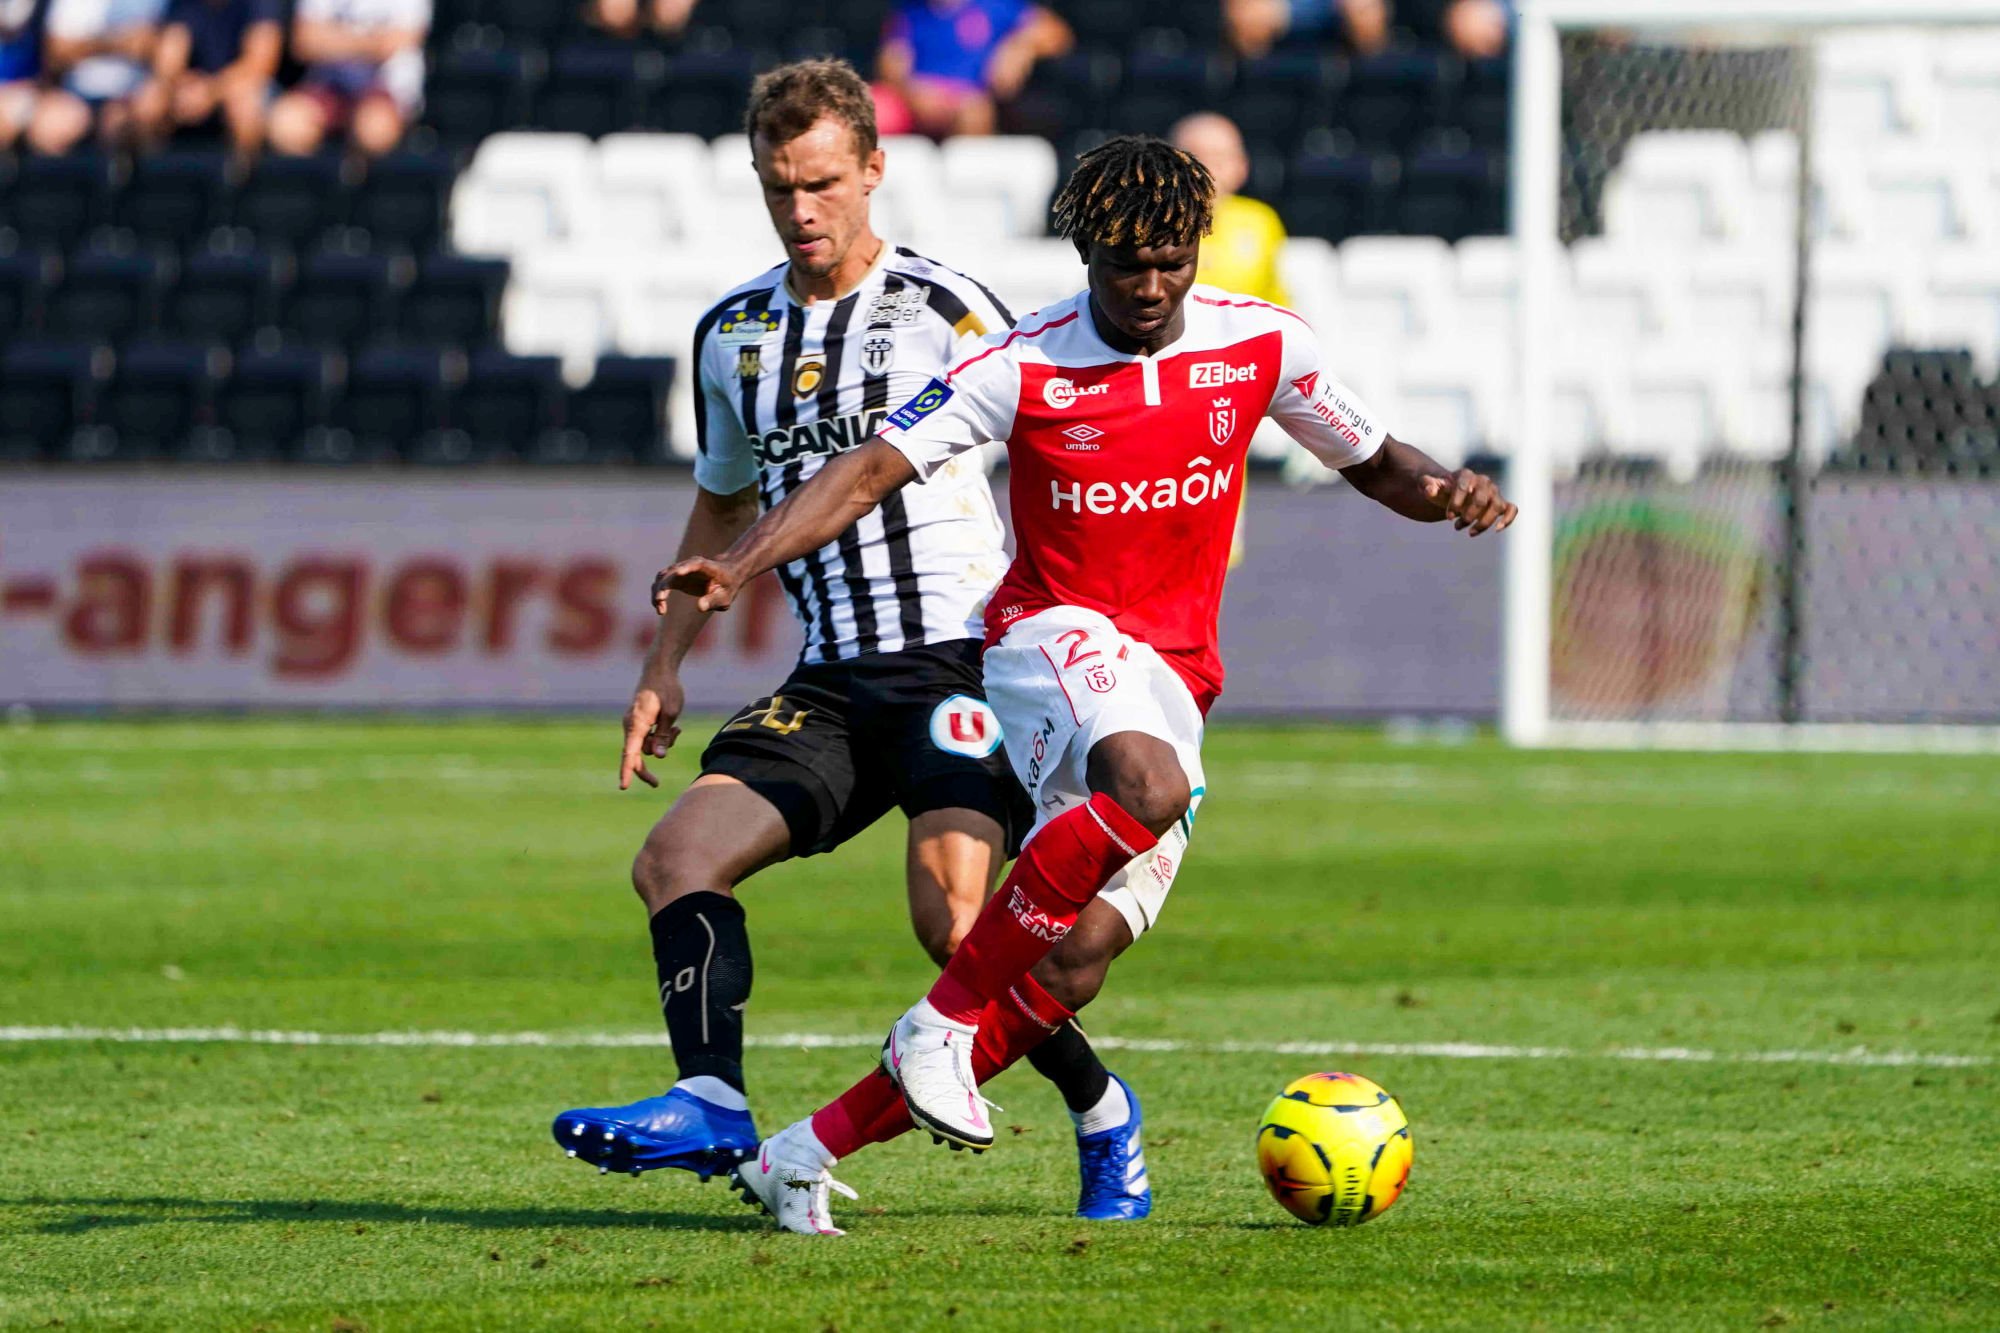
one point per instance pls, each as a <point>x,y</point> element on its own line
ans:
<point>785,296</point>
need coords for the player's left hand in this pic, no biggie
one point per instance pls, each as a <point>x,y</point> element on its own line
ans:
<point>711,583</point>
<point>1471,501</point>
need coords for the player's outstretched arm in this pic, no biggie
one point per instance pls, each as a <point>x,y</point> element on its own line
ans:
<point>836,497</point>
<point>1404,478</point>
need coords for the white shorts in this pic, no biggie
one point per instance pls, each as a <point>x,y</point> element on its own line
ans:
<point>1062,680</point>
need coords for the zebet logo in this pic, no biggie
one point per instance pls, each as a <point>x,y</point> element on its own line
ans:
<point>1218,374</point>
<point>1126,497</point>
<point>1060,393</point>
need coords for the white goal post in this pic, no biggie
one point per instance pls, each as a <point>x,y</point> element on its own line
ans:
<point>1537,166</point>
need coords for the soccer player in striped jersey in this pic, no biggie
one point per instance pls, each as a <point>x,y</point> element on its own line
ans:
<point>886,707</point>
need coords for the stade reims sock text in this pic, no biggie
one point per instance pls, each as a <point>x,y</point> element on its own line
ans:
<point>872,1111</point>
<point>1065,865</point>
<point>702,953</point>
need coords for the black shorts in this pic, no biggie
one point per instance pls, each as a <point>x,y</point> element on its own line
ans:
<point>841,743</point>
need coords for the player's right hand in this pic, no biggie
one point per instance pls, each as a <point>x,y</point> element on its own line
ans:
<point>650,729</point>
<point>712,583</point>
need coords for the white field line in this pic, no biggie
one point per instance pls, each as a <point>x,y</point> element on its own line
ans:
<point>1447,1050</point>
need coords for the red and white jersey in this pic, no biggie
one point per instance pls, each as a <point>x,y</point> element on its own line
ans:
<point>1127,471</point>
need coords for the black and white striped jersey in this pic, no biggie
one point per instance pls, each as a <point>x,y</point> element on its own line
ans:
<point>783,387</point>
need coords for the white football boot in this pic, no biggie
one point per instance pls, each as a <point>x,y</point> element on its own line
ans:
<point>789,1179</point>
<point>930,1058</point>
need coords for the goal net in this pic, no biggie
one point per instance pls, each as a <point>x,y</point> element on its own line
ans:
<point>1758,450</point>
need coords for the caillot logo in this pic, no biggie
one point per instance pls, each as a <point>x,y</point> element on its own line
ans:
<point>1126,497</point>
<point>1060,393</point>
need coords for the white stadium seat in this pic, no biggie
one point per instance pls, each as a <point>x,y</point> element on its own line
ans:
<point>1680,186</point>
<point>912,190</point>
<point>559,303</point>
<point>1875,84</point>
<point>999,186</point>
<point>1486,294</point>
<point>1394,287</point>
<point>1622,296</point>
<point>522,191</point>
<point>734,207</point>
<point>650,187</point>
<point>1310,269</point>
<point>1918,198</point>
<point>1740,299</point>
<point>1968,86</point>
<point>1964,303</point>
<point>1452,401</point>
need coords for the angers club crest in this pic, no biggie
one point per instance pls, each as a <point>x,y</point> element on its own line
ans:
<point>878,353</point>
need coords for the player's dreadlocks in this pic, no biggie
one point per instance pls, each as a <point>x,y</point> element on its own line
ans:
<point>1135,190</point>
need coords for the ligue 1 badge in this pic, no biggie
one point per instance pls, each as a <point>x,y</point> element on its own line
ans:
<point>878,353</point>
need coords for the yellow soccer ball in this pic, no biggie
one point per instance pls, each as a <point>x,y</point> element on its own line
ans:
<point>1334,1149</point>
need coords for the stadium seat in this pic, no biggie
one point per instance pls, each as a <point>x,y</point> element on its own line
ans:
<point>1485,299</point>
<point>1680,408</point>
<point>1105,22</point>
<point>173,198</point>
<point>1864,300</point>
<point>599,87</point>
<point>1928,197</point>
<point>1774,174</point>
<point>1336,193</point>
<point>107,294</point>
<point>55,200</point>
<point>1482,103</point>
<point>1310,269</point>
<point>158,393</point>
<point>560,303</point>
<point>533,21</point>
<point>395,396</point>
<point>1278,97</point>
<point>504,409</point>
<point>401,203</point>
<point>454,301</point>
<point>911,196</point>
<point>1874,85</point>
<point>290,202</point>
<point>734,206</point>
<point>702,94</point>
<point>1452,191</point>
<point>1964,304</point>
<point>264,407</point>
<point>1162,84</point>
<point>999,186</point>
<point>1063,93</point>
<point>522,191</point>
<point>1738,298</point>
<point>25,278</point>
<point>1967,73</point>
<point>475,93</point>
<point>622,412</point>
<point>1621,296</point>
<point>1396,287</point>
<point>222,297</point>
<point>1390,98</point>
<point>1680,187</point>
<point>342,298</point>
<point>650,187</point>
<point>48,390</point>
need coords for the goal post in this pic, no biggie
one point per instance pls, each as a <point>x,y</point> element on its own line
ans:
<point>1734,532</point>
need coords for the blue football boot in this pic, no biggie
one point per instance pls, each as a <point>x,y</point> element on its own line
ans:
<point>677,1129</point>
<point>1113,1165</point>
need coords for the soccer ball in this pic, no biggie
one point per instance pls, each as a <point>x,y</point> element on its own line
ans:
<point>1334,1148</point>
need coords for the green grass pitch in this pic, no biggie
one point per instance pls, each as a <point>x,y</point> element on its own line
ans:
<point>356,877</point>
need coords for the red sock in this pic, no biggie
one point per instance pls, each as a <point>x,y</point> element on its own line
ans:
<point>1009,1028</point>
<point>1074,856</point>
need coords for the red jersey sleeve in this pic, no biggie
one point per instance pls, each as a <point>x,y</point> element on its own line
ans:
<point>971,404</point>
<point>1327,418</point>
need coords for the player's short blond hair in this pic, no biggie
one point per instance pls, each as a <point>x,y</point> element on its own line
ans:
<point>787,101</point>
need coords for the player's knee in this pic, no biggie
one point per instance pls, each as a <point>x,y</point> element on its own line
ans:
<point>1156,795</point>
<point>666,869</point>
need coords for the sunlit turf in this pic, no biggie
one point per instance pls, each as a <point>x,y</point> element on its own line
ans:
<point>349,876</point>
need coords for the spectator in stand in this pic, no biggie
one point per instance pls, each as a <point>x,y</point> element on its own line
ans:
<point>1255,26</point>
<point>628,18</point>
<point>945,64</point>
<point>364,64</point>
<point>216,60</point>
<point>99,51</point>
<point>20,66</point>
<point>1241,251</point>
<point>1479,29</point>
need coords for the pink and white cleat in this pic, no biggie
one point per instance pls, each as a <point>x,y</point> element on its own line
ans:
<point>789,1179</point>
<point>930,1059</point>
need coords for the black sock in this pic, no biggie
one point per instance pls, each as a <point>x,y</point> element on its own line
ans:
<point>1067,1060</point>
<point>702,952</point>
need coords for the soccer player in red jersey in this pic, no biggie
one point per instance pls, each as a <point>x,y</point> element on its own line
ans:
<point>1126,411</point>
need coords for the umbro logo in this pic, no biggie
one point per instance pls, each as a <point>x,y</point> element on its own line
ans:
<point>1083,439</point>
